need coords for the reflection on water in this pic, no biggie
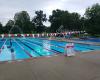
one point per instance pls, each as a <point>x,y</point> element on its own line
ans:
<point>46,45</point>
<point>5,54</point>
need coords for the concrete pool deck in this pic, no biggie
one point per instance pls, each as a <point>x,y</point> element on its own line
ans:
<point>84,66</point>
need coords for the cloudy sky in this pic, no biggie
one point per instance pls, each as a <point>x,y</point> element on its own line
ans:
<point>9,7</point>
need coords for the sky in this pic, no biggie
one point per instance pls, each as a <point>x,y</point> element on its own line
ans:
<point>9,7</point>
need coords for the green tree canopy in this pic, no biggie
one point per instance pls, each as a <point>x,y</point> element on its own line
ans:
<point>75,21</point>
<point>92,15</point>
<point>1,28</point>
<point>70,21</point>
<point>38,21</point>
<point>22,20</point>
<point>55,19</point>
<point>9,25</point>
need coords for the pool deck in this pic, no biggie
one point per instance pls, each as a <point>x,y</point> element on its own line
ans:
<point>81,67</point>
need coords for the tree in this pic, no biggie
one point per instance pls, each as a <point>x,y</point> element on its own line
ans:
<point>75,21</point>
<point>55,19</point>
<point>83,23</point>
<point>1,28</point>
<point>9,25</point>
<point>38,21</point>
<point>69,21</point>
<point>92,15</point>
<point>22,20</point>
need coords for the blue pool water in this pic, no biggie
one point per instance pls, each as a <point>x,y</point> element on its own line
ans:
<point>91,40</point>
<point>25,48</point>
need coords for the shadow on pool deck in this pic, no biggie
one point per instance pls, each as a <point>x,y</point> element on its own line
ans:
<point>81,67</point>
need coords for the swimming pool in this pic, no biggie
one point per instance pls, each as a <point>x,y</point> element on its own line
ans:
<point>25,48</point>
<point>91,40</point>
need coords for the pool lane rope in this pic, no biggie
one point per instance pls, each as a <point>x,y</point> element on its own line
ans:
<point>39,44</point>
<point>3,46</point>
<point>12,51</point>
<point>52,44</point>
<point>30,48</point>
<point>32,43</point>
<point>64,47</point>
<point>24,49</point>
<point>13,56</point>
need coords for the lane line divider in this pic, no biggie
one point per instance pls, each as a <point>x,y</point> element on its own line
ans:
<point>55,51</point>
<point>64,47</point>
<point>12,52</point>
<point>30,48</point>
<point>39,43</point>
<point>24,49</point>
<point>51,44</point>
<point>41,46</point>
<point>3,46</point>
